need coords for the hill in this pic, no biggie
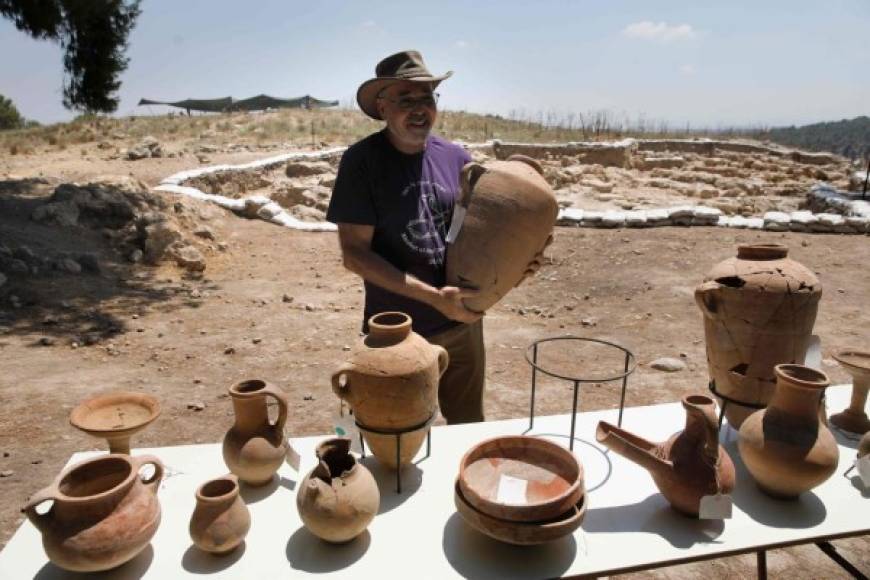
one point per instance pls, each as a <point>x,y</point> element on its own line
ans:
<point>849,137</point>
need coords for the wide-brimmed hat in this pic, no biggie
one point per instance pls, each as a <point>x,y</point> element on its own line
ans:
<point>407,65</point>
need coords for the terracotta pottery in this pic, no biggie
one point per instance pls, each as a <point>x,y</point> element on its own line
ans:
<point>391,383</point>
<point>254,448</point>
<point>116,417</point>
<point>759,310</point>
<point>854,418</point>
<point>521,533</point>
<point>686,467</point>
<point>220,520</point>
<point>505,214</point>
<point>786,447</point>
<point>550,478</point>
<point>339,498</point>
<point>103,514</point>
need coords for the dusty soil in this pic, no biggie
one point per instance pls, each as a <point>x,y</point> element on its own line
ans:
<point>278,305</point>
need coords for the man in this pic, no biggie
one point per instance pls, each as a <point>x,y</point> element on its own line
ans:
<point>392,201</point>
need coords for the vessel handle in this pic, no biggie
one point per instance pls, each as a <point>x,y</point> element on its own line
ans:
<point>342,391</point>
<point>276,393</point>
<point>533,163</point>
<point>443,359</point>
<point>468,177</point>
<point>152,482</point>
<point>705,299</point>
<point>41,521</point>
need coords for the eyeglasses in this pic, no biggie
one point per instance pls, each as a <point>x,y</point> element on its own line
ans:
<point>410,103</point>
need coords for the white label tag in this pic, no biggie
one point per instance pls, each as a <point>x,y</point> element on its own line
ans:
<point>456,223</point>
<point>813,358</point>
<point>292,458</point>
<point>863,466</point>
<point>345,426</point>
<point>512,490</point>
<point>715,507</point>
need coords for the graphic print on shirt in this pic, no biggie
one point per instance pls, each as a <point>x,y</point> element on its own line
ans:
<point>425,234</point>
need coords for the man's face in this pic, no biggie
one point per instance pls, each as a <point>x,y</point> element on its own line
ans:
<point>409,110</point>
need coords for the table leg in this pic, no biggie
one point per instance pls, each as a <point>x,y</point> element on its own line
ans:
<point>762,565</point>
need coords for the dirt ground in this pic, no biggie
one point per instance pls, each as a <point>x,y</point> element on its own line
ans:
<point>279,305</point>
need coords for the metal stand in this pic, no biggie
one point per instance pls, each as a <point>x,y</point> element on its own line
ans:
<point>726,400</point>
<point>829,550</point>
<point>532,359</point>
<point>397,433</point>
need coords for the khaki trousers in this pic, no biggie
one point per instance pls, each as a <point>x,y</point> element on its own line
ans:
<point>460,392</point>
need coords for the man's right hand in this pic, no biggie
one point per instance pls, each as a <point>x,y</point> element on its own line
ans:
<point>450,304</point>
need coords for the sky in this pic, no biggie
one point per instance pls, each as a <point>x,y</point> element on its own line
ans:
<point>708,64</point>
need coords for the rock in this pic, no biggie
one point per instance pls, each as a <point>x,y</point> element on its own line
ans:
<point>135,256</point>
<point>18,267</point>
<point>7,473</point>
<point>158,238</point>
<point>287,298</point>
<point>304,168</point>
<point>46,341</point>
<point>196,406</point>
<point>71,266</point>
<point>256,340</point>
<point>670,365</point>
<point>137,153</point>
<point>202,158</point>
<point>204,232</point>
<point>589,322</point>
<point>189,258</point>
<point>63,213</point>
<point>229,350</point>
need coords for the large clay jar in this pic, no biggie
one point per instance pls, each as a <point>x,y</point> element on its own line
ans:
<point>686,467</point>
<point>220,520</point>
<point>103,514</point>
<point>254,448</point>
<point>507,212</point>
<point>339,498</point>
<point>391,383</point>
<point>786,447</point>
<point>759,310</point>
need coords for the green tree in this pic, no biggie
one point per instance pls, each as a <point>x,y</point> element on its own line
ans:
<point>93,35</point>
<point>10,118</point>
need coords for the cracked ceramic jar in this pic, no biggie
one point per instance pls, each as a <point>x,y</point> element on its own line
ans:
<point>504,217</point>
<point>103,512</point>
<point>786,447</point>
<point>391,384</point>
<point>759,310</point>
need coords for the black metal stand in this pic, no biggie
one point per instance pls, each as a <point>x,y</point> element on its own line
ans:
<point>397,433</point>
<point>532,359</point>
<point>726,400</point>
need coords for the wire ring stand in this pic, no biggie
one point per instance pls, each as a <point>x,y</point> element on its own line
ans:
<point>397,433</point>
<point>532,358</point>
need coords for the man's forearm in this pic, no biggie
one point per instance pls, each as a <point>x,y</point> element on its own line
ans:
<point>375,269</point>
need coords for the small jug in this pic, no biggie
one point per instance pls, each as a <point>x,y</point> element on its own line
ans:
<point>221,519</point>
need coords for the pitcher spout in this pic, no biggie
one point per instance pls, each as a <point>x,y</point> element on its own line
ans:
<point>635,449</point>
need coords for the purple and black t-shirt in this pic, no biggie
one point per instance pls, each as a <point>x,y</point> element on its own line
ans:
<point>409,200</point>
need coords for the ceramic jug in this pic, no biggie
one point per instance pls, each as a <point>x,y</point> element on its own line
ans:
<point>254,448</point>
<point>220,520</point>
<point>103,514</point>
<point>339,498</point>
<point>504,218</point>
<point>391,383</point>
<point>686,467</point>
<point>787,447</point>
<point>759,310</point>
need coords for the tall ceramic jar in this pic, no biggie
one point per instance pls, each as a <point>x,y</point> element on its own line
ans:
<point>103,515</point>
<point>254,448</point>
<point>220,520</point>
<point>503,220</point>
<point>759,310</point>
<point>787,447</point>
<point>391,383</point>
<point>339,498</point>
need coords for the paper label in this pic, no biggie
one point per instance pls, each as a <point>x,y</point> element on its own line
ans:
<point>292,458</point>
<point>863,466</point>
<point>715,507</point>
<point>456,223</point>
<point>512,490</point>
<point>813,358</point>
<point>345,426</point>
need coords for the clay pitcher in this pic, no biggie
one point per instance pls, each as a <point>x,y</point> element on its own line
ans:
<point>254,448</point>
<point>689,465</point>
<point>103,514</point>
<point>505,215</point>
<point>339,498</point>
<point>759,310</point>
<point>391,383</point>
<point>220,520</point>
<point>786,447</point>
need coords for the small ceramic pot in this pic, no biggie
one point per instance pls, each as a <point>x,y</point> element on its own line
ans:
<point>221,519</point>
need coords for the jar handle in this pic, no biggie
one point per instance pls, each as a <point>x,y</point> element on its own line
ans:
<point>152,482</point>
<point>468,177</point>
<point>443,359</point>
<point>705,299</point>
<point>40,521</point>
<point>342,391</point>
<point>276,393</point>
<point>533,163</point>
